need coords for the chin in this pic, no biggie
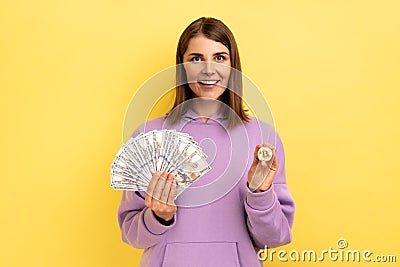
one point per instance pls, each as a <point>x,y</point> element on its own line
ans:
<point>209,96</point>
<point>212,93</point>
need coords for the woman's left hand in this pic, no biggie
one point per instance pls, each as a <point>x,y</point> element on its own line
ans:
<point>262,173</point>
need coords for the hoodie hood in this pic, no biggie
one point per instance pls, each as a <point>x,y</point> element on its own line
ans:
<point>217,118</point>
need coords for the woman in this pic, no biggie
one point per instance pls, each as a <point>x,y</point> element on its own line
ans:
<point>227,228</point>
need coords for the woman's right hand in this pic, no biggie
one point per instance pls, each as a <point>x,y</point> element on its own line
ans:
<point>160,195</point>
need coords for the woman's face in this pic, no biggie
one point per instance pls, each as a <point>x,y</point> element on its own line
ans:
<point>207,64</point>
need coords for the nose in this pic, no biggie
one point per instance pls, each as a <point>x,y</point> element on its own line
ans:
<point>208,68</point>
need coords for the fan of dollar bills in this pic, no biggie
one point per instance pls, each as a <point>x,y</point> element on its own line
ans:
<point>164,150</point>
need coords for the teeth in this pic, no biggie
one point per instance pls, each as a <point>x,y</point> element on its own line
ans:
<point>208,82</point>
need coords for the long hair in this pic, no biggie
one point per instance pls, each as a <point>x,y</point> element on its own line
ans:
<point>215,30</point>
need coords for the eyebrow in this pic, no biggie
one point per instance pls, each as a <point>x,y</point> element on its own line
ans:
<point>215,54</point>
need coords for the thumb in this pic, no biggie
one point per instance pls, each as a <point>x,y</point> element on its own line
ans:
<point>255,155</point>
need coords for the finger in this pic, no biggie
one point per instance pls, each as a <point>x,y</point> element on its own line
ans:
<point>274,163</point>
<point>259,175</point>
<point>158,189</point>
<point>273,148</point>
<point>172,191</point>
<point>255,155</point>
<point>147,200</point>
<point>166,190</point>
<point>269,145</point>
<point>153,182</point>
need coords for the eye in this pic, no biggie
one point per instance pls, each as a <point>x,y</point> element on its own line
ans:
<point>220,58</point>
<point>196,59</point>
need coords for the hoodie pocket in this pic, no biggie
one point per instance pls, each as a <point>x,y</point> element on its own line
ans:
<point>200,254</point>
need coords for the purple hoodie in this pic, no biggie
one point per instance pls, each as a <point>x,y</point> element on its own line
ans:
<point>219,221</point>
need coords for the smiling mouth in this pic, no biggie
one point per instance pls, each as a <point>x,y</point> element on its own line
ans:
<point>208,82</point>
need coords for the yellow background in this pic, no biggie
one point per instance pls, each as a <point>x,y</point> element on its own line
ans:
<point>329,69</point>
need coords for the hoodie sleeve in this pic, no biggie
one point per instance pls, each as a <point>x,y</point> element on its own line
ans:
<point>270,214</point>
<point>139,227</point>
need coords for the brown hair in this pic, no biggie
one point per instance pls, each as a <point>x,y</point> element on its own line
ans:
<point>215,30</point>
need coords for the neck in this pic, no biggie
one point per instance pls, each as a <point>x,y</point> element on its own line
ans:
<point>205,107</point>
